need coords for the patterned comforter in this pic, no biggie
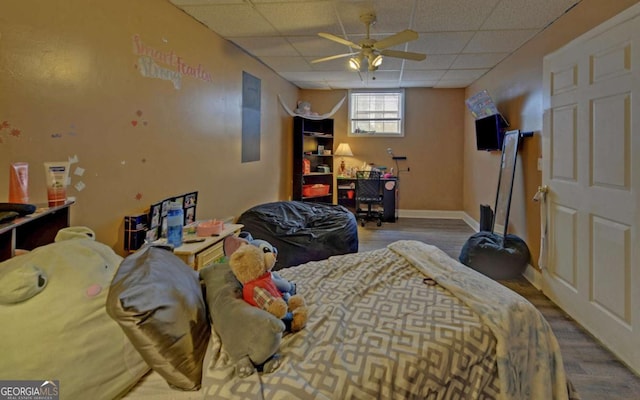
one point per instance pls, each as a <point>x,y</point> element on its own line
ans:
<point>378,329</point>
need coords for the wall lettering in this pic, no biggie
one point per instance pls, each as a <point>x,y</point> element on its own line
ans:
<point>150,58</point>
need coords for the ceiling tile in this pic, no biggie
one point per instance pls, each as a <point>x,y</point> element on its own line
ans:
<point>315,76</point>
<point>287,64</point>
<point>385,75</point>
<point>498,41</point>
<point>478,60</point>
<point>526,14</point>
<point>300,18</point>
<point>266,46</point>
<point>232,20</point>
<point>423,75</point>
<point>440,43</point>
<point>451,15</point>
<point>461,74</point>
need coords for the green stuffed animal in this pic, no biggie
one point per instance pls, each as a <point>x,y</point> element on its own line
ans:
<point>55,325</point>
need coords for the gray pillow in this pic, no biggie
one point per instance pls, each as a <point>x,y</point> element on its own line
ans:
<point>157,300</point>
<point>244,330</point>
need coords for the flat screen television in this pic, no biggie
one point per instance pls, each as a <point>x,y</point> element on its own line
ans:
<point>490,132</point>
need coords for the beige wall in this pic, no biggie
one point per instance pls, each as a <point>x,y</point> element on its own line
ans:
<point>434,128</point>
<point>71,85</point>
<point>516,86</point>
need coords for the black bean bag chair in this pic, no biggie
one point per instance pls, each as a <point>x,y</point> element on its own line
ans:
<point>302,231</point>
<point>495,256</point>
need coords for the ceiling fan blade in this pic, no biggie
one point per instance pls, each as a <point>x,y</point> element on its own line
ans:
<point>338,39</point>
<point>332,57</point>
<point>399,38</point>
<point>404,54</point>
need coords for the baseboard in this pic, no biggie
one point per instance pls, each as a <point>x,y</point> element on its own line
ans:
<point>534,276</point>
<point>475,225</point>
<point>431,214</point>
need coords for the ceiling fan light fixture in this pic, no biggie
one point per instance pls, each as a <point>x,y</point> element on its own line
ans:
<point>373,51</point>
<point>377,61</point>
<point>354,64</point>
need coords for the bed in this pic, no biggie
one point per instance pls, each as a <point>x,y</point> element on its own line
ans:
<point>402,322</point>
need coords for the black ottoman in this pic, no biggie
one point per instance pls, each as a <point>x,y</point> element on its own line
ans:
<point>302,231</point>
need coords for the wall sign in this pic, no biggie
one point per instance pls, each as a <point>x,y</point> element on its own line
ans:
<point>150,60</point>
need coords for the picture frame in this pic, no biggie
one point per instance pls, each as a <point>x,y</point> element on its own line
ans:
<point>158,214</point>
<point>190,203</point>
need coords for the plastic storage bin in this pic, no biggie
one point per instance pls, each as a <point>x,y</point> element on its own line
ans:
<point>315,190</point>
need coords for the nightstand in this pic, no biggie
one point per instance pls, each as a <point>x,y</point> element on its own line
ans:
<point>200,254</point>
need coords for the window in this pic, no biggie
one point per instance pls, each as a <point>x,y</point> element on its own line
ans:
<point>376,112</point>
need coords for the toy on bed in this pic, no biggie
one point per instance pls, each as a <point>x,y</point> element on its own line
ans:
<point>52,303</point>
<point>249,335</point>
<point>252,267</point>
<point>232,243</point>
<point>263,288</point>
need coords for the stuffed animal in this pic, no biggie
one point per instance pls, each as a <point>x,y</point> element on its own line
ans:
<point>232,243</point>
<point>304,108</point>
<point>252,267</point>
<point>250,336</point>
<point>52,304</point>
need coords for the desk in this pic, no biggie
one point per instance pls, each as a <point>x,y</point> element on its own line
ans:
<point>35,230</point>
<point>389,196</point>
<point>200,254</point>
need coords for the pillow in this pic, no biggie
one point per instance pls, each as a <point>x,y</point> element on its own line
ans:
<point>157,300</point>
<point>61,331</point>
<point>244,330</point>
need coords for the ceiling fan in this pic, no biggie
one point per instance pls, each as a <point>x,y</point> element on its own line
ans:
<point>373,50</point>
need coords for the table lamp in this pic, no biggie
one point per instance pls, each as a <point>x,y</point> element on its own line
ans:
<point>343,151</point>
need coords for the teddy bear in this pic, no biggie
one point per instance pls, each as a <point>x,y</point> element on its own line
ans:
<point>231,244</point>
<point>252,267</point>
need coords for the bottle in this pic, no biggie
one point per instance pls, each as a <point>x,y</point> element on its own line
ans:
<point>175,221</point>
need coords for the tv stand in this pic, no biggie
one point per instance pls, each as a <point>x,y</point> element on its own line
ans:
<point>34,230</point>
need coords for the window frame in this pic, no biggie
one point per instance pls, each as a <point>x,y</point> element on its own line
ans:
<point>401,106</point>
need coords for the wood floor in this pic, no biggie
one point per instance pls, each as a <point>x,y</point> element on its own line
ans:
<point>595,372</point>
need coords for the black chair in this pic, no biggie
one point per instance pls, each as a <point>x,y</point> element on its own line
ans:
<point>369,193</point>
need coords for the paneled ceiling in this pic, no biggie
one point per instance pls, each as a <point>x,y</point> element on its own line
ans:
<point>463,39</point>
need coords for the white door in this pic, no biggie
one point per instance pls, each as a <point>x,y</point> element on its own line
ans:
<point>591,165</point>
